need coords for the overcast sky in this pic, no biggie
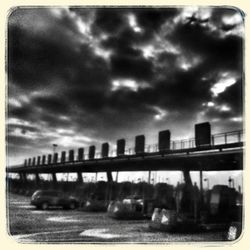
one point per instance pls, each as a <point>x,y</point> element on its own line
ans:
<point>79,76</point>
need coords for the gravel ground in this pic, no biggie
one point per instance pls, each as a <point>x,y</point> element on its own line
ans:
<point>26,224</point>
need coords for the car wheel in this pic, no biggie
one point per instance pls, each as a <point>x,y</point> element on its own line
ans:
<point>38,207</point>
<point>45,205</point>
<point>72,205</point>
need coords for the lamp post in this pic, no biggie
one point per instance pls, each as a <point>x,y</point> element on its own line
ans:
<point>207,180</point>
<point>54,148</point>
<point>230,180</point>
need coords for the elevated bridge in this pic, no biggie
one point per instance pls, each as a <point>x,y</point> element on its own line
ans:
<point>205,152</point>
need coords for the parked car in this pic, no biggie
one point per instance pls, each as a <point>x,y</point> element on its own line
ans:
<point>43,199</point>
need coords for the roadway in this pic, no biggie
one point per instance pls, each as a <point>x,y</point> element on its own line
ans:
<point>26,224</point>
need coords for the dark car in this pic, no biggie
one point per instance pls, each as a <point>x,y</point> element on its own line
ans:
<point>43,199</point>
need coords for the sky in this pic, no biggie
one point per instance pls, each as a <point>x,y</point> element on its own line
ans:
<point>83,76</point>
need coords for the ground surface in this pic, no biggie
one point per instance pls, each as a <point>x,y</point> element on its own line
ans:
<point>27,224</point>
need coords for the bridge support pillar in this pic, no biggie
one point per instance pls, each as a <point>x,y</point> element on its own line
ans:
<point>54,179</point>
<point>79,177</point>
<point>149,177</point>
<point>187,177</point>
<point>37,179</point>
<point>109,176</point>
<point>23,178</point>
<point>201,187</point>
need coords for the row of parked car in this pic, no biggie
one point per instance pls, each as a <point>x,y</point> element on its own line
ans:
<point>181,208</point>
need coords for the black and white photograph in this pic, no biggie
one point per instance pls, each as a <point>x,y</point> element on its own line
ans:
<point>125,124</point>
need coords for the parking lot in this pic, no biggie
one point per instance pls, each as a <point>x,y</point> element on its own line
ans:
<point>27,224</point>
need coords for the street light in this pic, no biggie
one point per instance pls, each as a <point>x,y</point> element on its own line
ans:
<point>54,147</point>
<point>207,180</point>
<point>230,180</point>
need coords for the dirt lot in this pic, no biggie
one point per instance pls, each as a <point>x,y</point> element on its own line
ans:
<point>27,224</point>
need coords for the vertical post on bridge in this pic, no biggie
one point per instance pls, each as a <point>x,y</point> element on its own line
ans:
<point>80,154</point>
<point>139,144</point>
<point>34,161</point>
<point>43,159</point>
<point>91,152</point>
<point>55,157</point>
<point>49,159</point>
<point>38,160</point>
<point>202,134</point>
<point>63,156</point>
<point>71,155</point>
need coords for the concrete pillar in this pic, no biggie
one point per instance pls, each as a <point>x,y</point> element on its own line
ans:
<point>187,177</point>
<point>201,187</point>
<point>34,161</point>
<point>149,177</point>
<point>80,154</point>
<point>71,155</point>
<point>29,162</point>
<point>92,152</point>
<point>55,157</point>
<point>164,140</point>
<point>120,147</point>
<point>54,179</point>
<point>49,159</point>
<point>43,159</point>
<point>63,157</point>
<point>105,150</point>
<point>202,134</point>
<point>109,176</point>
<point>37,179</point>
<point>139,144</point>
<point>79,177</point>
<point>38,160</point>
<point>25,163</point>
<point>23,177</point>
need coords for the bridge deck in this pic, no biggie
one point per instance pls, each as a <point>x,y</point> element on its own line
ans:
<point>207,158</point>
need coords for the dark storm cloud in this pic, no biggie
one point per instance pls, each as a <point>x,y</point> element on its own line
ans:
<point>109,20</point>
<point>218,52</point>
<point>24,112</point>
<point>34,55</point>
<point>124,67</point>
<point>52,104</point>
